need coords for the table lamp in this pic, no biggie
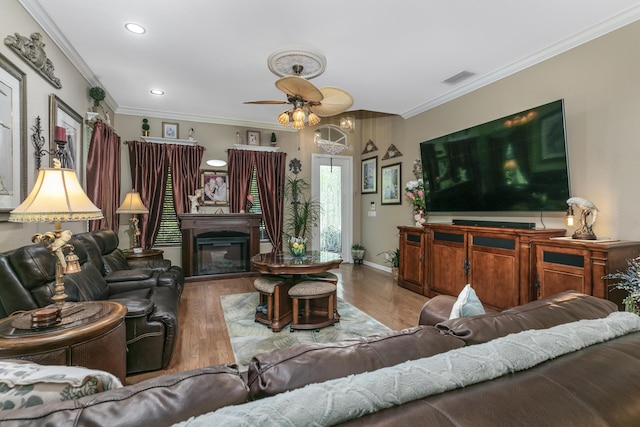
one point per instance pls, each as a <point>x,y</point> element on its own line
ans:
<point>132,204</point>
<point>588,215</point>
<point>57,196</point>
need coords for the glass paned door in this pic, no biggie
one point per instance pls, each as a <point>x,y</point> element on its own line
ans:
<point>332,186</point>
<point>331,214</point>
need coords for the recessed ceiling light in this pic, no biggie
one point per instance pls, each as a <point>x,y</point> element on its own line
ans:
<point>157,92</point>
<point>135,28</point>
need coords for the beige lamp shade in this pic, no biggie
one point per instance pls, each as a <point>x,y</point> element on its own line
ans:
<point>132,204</point>
<point>56,196</point>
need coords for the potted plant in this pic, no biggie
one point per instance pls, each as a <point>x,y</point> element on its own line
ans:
<point>145,127</point>
<point>393,258</point>
<point>97,94</point>
<point>357,253</point>
<point>629,280</point>
<point>303,213</point>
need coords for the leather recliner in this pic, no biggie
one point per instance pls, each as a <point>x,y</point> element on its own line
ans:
<point>27,278</point>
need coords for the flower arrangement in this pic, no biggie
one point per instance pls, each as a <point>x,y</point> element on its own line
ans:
<point>630,282</point>
<point>297,246</point>
<point>415,192</point>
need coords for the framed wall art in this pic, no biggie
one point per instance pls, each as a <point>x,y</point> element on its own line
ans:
<point>60,114</point>
<point>170,130</point>
<point>253,137</point>
<point>391,191</point>
<point>215,187</point>
<point>13,137</point>
<point>369,175</point>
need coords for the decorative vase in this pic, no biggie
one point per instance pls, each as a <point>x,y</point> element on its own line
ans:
<point>297,247</point>
<point>394,272</point>
<point>419,218</point>
<point>358,255</point>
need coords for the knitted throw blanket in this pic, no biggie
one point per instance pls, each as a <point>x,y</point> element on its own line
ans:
<point>342,399</point>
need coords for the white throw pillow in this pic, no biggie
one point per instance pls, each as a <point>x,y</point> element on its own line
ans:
<point>467,304</point>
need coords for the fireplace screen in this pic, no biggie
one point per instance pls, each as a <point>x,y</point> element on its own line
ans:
<point>221,252</point>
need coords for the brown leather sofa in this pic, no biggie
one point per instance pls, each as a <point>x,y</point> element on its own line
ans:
<point>150,292</point>
<point>594,386</point>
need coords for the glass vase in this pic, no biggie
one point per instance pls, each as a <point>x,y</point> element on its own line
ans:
<point>297,247</point>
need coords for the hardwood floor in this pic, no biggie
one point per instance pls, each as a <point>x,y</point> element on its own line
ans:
<point>203,339</point>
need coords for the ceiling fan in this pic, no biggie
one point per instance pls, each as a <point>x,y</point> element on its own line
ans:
<point>308,101</point>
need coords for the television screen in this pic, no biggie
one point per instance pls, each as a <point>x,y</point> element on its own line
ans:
<point>515,163</point>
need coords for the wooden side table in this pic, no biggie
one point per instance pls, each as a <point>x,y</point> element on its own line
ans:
<point>94,337</point>
<point>146,254</point>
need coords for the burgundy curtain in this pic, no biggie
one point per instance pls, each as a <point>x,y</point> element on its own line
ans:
<point>103,175</point>
<point>240,169</point>
<point>185,163</point>
<point>270,170</point>
<point>149,163</point>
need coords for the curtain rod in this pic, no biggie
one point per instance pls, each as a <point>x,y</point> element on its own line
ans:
<point>169,143</point>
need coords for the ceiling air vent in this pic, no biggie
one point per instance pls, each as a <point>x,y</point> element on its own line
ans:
<point>463,75</point>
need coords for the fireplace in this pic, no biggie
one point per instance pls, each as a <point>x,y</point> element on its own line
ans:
<point>220,252</point>
<point>219,245</point>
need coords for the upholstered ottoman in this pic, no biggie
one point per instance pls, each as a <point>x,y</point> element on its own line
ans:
<point>320,304</point>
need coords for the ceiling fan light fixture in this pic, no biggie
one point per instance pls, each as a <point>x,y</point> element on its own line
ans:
<point>283,118</point>
<point>297,125</point>
<point>298,115</point>
<point>313,119</point>
<point>348,123</point>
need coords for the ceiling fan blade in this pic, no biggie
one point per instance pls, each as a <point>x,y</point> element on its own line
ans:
<point>300,87</point>
<point>265,102</point>
<point>335,102</point>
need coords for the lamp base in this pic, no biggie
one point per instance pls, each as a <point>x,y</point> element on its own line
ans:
<point>583,234</point>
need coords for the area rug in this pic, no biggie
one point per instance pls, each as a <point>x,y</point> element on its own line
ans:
<point>249,337</point>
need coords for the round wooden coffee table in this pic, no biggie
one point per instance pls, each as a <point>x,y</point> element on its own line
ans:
<point>294,270</point>
<point>94,337</point>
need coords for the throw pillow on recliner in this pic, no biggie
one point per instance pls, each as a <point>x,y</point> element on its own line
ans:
<point>467,304</point>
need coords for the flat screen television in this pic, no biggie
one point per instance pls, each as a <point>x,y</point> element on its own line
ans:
<point>516,163</point>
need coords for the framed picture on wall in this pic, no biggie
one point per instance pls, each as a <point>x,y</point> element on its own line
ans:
<point>391,191</point>
<point>369,178</point>
<point>13,137</point>
<point>215,187</point>
<point>60,114</point>
<point>253,137</point>
<point>169,130</point>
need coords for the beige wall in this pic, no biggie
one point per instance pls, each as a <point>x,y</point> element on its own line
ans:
<point>598,82</point>
<point>74,92</point>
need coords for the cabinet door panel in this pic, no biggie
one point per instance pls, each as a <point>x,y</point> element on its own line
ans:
<point>494,277</point>
<point>562,269</point>
<point>447,269</point>
<point>412,268</point>
<point>553,281</point>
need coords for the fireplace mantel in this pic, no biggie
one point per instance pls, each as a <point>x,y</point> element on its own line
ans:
<point>193,225</point>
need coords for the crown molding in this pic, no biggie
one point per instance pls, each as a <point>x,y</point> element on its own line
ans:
<point>202,119</point>
<point>630,15</point>
<point>53,31</point>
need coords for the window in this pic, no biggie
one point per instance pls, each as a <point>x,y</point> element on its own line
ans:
<point>256,208</point>
<point>169,232</point>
